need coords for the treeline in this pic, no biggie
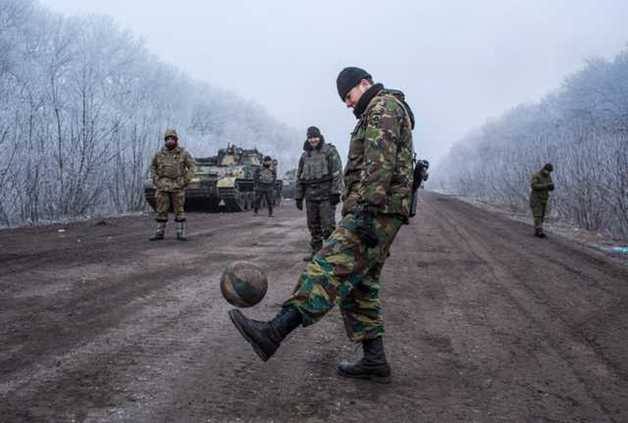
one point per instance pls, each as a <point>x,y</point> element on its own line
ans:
<point>83,107</point>
<point>582,129</point>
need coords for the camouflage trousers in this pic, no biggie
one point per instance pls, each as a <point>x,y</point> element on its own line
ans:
<point>164,201</point>
<point>538,212</point>
<point>266,194</point>
<point>346,272</point>
<point>321,221</point>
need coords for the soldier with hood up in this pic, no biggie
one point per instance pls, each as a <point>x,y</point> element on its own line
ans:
<point>264,180</point>
<point>319,182</point>
<point>378,183</point>
<point>172,169</point>
<point>540,185</point>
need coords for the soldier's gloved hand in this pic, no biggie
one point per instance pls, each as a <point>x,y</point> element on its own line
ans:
<point>300,203</point>
<point>334,199</point>
<point>364,227</point>
<point>550,187</point>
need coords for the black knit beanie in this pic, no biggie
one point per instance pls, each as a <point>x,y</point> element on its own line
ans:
<point>313,132</point>
<point>349,78</point>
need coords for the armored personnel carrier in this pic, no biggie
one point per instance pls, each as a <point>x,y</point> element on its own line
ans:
<point>222,183</point>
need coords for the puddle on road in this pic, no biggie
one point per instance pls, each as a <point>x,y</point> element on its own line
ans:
<point>616,249</point>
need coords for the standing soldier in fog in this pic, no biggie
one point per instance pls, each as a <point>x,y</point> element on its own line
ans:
<point>264,180</point>
<point>540,185</point>
<point>172,169</point>
<point>378,181</point>
<point>319,182</point>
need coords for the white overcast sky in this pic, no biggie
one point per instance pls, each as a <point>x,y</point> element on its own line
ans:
<point>459,62</point>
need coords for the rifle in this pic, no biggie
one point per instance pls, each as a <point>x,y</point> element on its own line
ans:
<point>419,175</point>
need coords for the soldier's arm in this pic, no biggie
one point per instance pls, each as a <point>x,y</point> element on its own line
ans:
<point>154,167</point>
<point>535,184</point>
<point>190,167</point>
<point>256,176</point>
<point>380,149</point>
<point>335,170</point>
<point>298,185</point>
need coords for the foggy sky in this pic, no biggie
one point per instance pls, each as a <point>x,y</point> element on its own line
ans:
<point>459,62</point>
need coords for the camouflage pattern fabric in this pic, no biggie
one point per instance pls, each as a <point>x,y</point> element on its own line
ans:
<point>378,177</point>
<point>172,170</point>
<point>540,184</point>
<point>379,172</point>
<point>321,221</point>
<point>165,200</point>
<point>347,273</point>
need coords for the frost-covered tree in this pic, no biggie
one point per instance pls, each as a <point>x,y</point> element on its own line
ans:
<point>582,128</point>
<point>83,108</point>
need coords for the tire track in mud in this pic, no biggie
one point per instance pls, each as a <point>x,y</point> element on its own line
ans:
<point>517,275</point>
<point>472,331</point>
<point>116,334</point>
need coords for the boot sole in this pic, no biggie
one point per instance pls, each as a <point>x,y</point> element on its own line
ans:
<point>234,315</point>
<point>372,378</point>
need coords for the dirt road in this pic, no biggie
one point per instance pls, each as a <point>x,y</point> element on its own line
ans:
<point>485,323</point>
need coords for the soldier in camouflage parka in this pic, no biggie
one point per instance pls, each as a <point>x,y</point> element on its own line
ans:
<point>346,271</point>
<point>172,169</point>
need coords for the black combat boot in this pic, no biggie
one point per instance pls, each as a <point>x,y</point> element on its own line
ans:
<point>160,232</point>
<point>181,231</point>
<point>373,366</point>
<point>265,337</point>
<point>538,232</point>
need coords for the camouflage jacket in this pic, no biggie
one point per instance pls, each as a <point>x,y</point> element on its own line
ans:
<point>319,174</point>
<point>379,170</point>
<point>264,178</point>
<point>172,170</point>
<point>540,186</point>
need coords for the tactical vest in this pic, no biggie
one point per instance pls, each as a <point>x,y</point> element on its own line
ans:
<point>266,176</point>
<point>315,165</point>
<point>171,165</point>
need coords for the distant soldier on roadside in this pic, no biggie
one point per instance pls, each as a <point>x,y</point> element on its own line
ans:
<point>541,184</point>
<point>264,179</point>
<point>171,169</point>
<point>319,182</point>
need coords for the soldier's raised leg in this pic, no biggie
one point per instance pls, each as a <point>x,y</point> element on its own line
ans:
<point>339,267</point>
<point>162,205</point>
